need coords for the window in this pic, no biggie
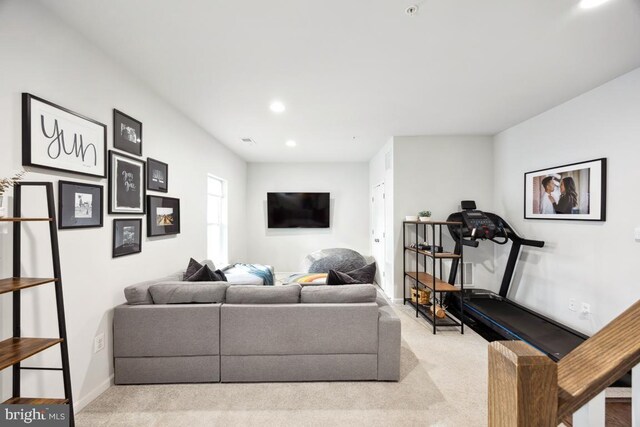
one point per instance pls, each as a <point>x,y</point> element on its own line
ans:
<point>217,228</point>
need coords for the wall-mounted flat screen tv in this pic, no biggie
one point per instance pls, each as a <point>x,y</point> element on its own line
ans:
<point>298,210</point>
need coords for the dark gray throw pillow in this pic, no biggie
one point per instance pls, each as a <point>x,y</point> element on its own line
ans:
<point>222,277</point>
<point>192,268</point>
<point>206,275</point>
<point>365,274</point>
<point>338,278</point>
<point>203,275</point>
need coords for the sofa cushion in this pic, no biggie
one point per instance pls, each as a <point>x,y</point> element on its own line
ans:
<point>138,294</point>
<point>250,294</point>
<point>270,329</point>
<point>381,299</point>
<point>338,294</point>
<point>186,293</point>
<point>366,274</point>
<point>166,330</point>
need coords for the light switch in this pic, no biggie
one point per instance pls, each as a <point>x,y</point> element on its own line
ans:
<point>637,233</point>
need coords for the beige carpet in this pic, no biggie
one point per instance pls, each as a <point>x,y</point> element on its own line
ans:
<point>443,383</point>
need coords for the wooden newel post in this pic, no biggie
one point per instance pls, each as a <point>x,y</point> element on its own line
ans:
<point>523,386</point>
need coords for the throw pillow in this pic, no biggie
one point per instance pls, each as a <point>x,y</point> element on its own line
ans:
<point>222,277</point>
<point>204,275</point>
<point>192,268</point>
<point>307,279</point>
<point>338,278</point>
<point>365,274</point>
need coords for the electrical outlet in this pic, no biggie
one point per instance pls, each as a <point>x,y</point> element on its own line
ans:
<point>98,342</point>
<point>586,309</point>
<point>572,304</point>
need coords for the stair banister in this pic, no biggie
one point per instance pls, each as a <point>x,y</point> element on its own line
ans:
<point>526,388</point>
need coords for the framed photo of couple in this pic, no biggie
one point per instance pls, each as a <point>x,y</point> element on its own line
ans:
<point>570,192</point>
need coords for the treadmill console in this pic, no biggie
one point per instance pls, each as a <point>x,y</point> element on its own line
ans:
<point>479,224</point>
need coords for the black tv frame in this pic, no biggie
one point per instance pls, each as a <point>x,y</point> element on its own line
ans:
<point>271,225</point>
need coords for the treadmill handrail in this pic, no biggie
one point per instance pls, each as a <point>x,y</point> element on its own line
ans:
<point>469,242</point>
<point>535,243</point>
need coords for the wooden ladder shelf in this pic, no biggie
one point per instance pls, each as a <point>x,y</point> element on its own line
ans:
<point>18,348</point>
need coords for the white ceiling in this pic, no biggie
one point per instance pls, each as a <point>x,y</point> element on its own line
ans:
<point>360,68</point>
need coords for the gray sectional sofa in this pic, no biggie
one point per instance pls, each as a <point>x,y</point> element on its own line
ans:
<point>254,334</point>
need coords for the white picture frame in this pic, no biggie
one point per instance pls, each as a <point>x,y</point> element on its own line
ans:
<point>59,139</point>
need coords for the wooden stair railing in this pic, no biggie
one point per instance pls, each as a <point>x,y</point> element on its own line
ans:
<point>526,388</point>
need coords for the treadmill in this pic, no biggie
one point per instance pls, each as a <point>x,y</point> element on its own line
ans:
<point>495,316</point>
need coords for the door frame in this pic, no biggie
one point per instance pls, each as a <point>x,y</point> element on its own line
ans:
<point>382,276</point>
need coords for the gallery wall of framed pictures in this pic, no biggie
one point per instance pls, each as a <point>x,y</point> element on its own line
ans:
<point>59,139</point>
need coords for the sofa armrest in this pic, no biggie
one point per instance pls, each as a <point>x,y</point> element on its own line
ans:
<point>166,330</point>
<point>389,330</point>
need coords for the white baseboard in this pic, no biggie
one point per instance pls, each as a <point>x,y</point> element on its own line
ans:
<point>398,300</point>
<point>79,404</point>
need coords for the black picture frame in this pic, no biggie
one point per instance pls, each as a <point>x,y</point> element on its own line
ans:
<point>157,176</point>
<point>127,187</point>
<point>80,205</point>
<point>163,216</point>
<point>584,197</point>
<point>127,237</point>
<point>127,133</point>
<point>56,138</point>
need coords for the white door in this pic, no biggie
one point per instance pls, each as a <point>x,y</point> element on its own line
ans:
<point>378,236</point>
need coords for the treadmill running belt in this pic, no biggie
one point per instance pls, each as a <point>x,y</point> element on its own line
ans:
<point>545,336</point>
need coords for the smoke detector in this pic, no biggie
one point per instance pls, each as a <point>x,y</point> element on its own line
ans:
<point>248,141</point>
<point>412,10</point>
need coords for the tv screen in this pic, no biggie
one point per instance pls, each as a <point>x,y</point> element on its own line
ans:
<point>298,210</point>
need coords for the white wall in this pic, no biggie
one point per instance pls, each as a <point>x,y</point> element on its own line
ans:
<point>43,57</point>
<point>285,249</point>
<point>593,262</point>
<point>435,173</point>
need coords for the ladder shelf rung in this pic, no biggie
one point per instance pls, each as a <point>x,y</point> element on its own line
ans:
<point>20,219</point>
<point>14,350</point>
<point>13,284</point>
<point>35,401</point>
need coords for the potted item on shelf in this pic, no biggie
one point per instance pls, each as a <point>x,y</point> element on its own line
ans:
<point>423,296</point>
<point>5,186</point>
<point>410,218</point>
<point>424,215</point>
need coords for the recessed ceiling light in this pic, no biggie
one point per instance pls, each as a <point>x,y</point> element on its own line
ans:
<point>290,143</point>
<point>277,107</point>
<point>589,4</point>
<point>411,10</point>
